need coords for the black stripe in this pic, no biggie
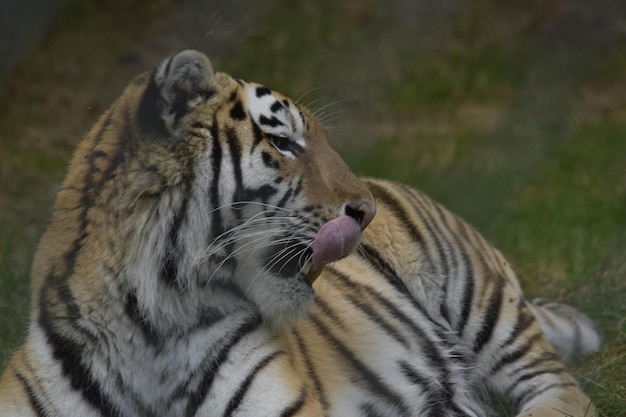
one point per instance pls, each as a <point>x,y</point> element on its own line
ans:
<point>217,226</point>
<point>293,409</point>
<point>467,294</point>
<point>114,159</point>
<point>149,117</point>
<point>424,212</point>
<point>235,155</point>
<point>310,369</point>
<point>199,124</point>
<point>168,64</point>
<point>134,313</point>
<point>452,257</point>
<point>469,288</point>
<point>524,319</point>
<point>234,148</point>
<point>66,296</point>
<point>366,309</point>
<point>552,371</point>
<point>205,93</point>
<point>298,188</point>
<point>378,319</point>
<point>369,410</point>
<point>34,402</point>
<point>381,193</point>
<point>436,398</point>
<point>441,227</point>
<point>268,161</point>
<point>262,91</point>
<point>92,189</point>
<point>544,358</point>
<point>463,229</point>
<point>270,121</point>
<point>413,377</point>
<point>535,391</point>
<point>263,193</point>
<point>328,312</point>
<point>69,355</point>
<point>196,397</point>
<point>277,105</point>
<point>491,315</point>
<point>258,136</point>
<point>285,198</point>
<point>169,267</point>
<point>67,351</point>
<point>237,112</point>
<point>427,345</point>
<point>243,388</point>
<point>86,200</point>
<point>370,254</point>
<point>515,355</point>
<point>397,283</point>
<point>372,380</point>
<point>423,208</point>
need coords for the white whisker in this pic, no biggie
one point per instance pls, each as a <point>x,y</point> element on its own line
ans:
<point>283,253</point>
<point>331,117</point>
<point>320,111</point>
<point>285,240</point>
<point>299,100</point>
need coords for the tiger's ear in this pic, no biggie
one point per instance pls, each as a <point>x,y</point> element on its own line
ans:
<point>176,86</point>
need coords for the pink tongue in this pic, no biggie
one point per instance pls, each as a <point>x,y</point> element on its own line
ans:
<point>334,240</point>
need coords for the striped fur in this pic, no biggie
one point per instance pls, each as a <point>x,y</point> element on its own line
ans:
<point>174,278</point>
<point>568,330</point>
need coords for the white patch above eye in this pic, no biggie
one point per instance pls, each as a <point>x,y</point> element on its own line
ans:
<point>275,117</point>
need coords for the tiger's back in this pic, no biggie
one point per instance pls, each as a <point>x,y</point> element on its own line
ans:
<point>431,318</point>
<point>210,254</point>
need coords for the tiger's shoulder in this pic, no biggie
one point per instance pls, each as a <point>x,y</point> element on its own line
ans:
<point>415,235</point>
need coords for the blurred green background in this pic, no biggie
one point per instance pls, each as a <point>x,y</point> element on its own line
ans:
<point>510,113</point>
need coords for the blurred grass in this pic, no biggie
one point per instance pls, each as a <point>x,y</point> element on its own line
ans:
<point>511,114</point>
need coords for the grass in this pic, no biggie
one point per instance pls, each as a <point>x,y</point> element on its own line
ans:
<point>510,114</point>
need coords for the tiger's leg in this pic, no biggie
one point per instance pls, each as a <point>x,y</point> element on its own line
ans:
<point>519,363</point>
<point>569,331</point>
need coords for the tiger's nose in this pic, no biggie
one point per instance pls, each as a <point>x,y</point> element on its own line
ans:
<point>362,212</point>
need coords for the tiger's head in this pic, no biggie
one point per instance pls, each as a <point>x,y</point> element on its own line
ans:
<point>197,193</point>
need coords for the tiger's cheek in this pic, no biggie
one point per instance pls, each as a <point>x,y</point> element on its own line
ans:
<point>268,179</point>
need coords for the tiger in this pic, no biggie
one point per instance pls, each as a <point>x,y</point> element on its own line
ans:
<point>210,254</point>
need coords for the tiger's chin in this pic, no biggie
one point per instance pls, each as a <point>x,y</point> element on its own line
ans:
<point>285,292</point>
<point>282,301</point>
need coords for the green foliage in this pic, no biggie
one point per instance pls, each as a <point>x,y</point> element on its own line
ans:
<point>13,296</point>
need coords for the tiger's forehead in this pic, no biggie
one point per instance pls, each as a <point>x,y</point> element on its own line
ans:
<point>274,113</point>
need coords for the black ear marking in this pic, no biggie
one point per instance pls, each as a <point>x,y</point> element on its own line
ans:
<point>188,72</point>
<point>149,112</point>
<point>176,86</point>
